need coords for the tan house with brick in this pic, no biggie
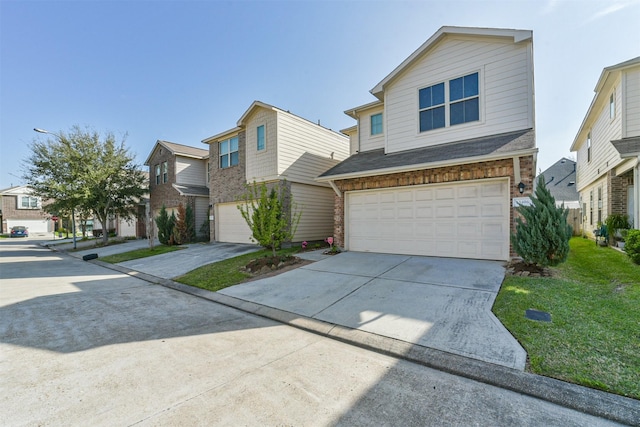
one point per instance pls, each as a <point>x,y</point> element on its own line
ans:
<point>19,206</point>
<point>272,145</point>
<point>608,148</point>
<point>445,151</point>
<point>178,174</point>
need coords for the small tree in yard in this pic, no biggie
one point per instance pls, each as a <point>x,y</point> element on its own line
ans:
<point>165,226</point>
<point>542,233</point>
<point>180,229</point>
<point>191,224</point>
<point>264,210</point>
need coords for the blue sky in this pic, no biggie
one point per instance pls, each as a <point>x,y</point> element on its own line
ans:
<point>185,70</point>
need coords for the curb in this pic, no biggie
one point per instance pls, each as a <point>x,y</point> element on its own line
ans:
<point>589,401</point>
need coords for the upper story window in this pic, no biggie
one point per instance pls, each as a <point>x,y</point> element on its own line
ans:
<point>431,107</point>
<point>260,137</point>
<point>28,202</point>
<point>460,98</point>
<point>165,172</point>
<point>157,174</point>
<point>229,152</point>
<point>463,94</point>
<point>612,105</point>
<point>589,147</point>
<point>376,124</point>
<point>208,171</point>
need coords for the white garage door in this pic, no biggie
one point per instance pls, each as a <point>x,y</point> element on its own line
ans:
<point>466,220</point>
<point>34,225</point>
<point>230,225</point>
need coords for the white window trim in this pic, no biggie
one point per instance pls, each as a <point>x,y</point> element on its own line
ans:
<point>30,198</point>
<point>381,133</point>
<point>447,103</point>
<point>220,154</point>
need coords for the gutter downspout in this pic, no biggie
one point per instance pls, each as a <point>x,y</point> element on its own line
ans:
<point>636,196</point>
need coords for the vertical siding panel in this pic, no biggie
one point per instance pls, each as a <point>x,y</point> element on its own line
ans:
<point>262,165</point>
<point>316,203</point>
<point>631,107</point>
<point>191,171</point>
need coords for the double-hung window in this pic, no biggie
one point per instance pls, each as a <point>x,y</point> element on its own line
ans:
<point>165,172</point>
<point>28,202</point>
<point>260,138</point>
<point>450,103</point>
<point>464,98</point>
<point>376,124</point>
<point>432,107</point>
<point>157,174</point>
<point>589,147</point>
<point>612,105</point>
<point>229,152</point>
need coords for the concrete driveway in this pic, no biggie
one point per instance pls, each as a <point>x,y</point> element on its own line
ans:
<point>441,303</point>
<point>173,264</point>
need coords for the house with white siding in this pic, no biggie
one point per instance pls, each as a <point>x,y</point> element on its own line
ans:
<point>445,151</point>
<point>608,148</point>
<point>178,174</point>
<point>273,146</point>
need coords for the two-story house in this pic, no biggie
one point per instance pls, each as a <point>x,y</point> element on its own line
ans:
<point>440,158</point>
<point>18,206</point>
<point>179,174</point>
<point>608,148</point>
<point>270,145</point>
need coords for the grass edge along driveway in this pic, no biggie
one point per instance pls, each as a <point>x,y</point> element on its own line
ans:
<point>594,336</point>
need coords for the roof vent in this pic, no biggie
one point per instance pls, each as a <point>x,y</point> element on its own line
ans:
<point>572,183</point>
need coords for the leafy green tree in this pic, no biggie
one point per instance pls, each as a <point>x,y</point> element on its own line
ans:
<point>264,210</point>
<point>542,233</point>
<point>79,170</point>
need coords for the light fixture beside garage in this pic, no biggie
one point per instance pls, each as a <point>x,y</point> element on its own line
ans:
<point>521,187</point>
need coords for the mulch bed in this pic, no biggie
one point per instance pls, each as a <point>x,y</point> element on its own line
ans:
<point>271,266</point>
<point>519,268</point>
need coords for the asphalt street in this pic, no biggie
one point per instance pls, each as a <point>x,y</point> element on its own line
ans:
<point>85,345</point>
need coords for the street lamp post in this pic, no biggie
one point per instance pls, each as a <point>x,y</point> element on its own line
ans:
<point>73,213</point>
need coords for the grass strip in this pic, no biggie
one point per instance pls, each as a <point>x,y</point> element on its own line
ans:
<point>594,336</point>
<point>222,274</point>
<point>139,253</point>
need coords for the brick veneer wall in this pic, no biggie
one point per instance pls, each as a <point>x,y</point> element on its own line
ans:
<point>10,211</point>
<point>467,172</point>
<point>164,193</point>
<point>618,191</point>
<point>228,184</point>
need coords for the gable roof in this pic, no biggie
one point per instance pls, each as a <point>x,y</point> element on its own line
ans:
<point>517,36</point>
<point>560,179</point>
<point>16,189</point>
<point>179,150</point>
<point>606,79</point>
<point>376,162</point>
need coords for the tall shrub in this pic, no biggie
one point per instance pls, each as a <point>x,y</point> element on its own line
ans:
<point>264,211</point>
<point>542,233</point>
<point>164,228</point>
<point>180,229</point>
<point>632,245</point>
<point>191,224</point>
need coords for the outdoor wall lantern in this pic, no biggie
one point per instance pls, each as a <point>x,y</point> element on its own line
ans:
<point>521,187</point>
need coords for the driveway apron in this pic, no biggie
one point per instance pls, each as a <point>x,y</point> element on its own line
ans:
<point>441,303</point>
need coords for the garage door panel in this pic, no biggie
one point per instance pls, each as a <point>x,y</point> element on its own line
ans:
<point>230,225</point>
<point>469,220</point>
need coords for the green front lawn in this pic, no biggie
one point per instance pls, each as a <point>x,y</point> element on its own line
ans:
<point>223,274</point>
<point>139,253</point>
<point>594,336</point>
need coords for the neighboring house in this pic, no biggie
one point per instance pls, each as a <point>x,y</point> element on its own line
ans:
<point>270,145</point>
<point>20,207</point>
<point>178,174</point>
<point>608,148</point>
<point>560,180</point>
<point>437,160</point>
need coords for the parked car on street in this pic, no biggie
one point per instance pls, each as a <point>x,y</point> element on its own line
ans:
<point>19,231</point>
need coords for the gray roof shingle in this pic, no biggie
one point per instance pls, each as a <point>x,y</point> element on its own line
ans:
<point>373,160</point>
<point>560,179</point>
<point>191,190</point>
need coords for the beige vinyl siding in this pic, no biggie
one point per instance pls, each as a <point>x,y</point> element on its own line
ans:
<point>261,165</point>
<point>201,214</point>
<point>632,103</point>
<point>505,86</point>
<point>316,204</point>
<point>603,154</point>
<point>306,150</point>
<point>191,171</point>
<point>367,141</point>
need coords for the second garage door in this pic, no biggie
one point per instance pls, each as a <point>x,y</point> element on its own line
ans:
<point>230,225</point>
<point>464,220</point>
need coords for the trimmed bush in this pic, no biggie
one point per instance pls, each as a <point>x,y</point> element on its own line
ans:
<point>632,245</point>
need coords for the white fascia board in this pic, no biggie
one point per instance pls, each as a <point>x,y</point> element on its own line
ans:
<point>517,35</point>
<point>432,165</point>
<point>254,104</point>
<point>222,135</point>
<point>351,112</point>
